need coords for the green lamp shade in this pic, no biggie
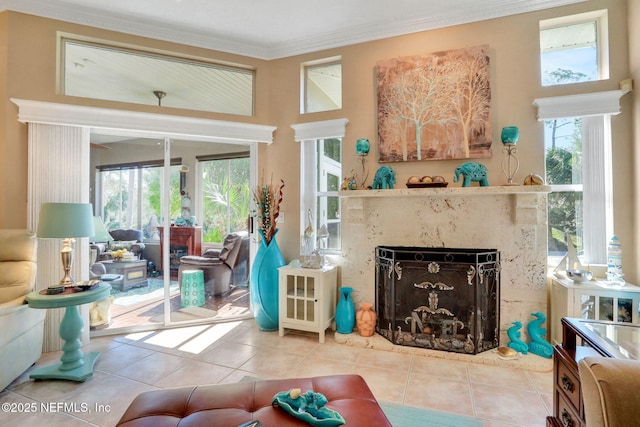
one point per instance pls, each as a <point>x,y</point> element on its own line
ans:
<point>65,220</point>
<point>101,233</point>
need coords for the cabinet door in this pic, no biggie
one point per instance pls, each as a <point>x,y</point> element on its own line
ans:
<point>301,297</point>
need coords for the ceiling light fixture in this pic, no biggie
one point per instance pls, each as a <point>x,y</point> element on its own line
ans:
<point>159,94</point>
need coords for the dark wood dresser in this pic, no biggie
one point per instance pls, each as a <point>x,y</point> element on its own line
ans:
<point>582,338</point>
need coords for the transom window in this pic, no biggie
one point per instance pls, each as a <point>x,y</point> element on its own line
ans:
<point>99,71</point>
<point>574,49</point>
<point>321,85</point>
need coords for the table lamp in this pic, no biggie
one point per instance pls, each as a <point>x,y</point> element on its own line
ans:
<point>101,234</point>
<point>65,221</point>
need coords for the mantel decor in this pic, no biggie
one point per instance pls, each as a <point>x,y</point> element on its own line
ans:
<point>264,272</point>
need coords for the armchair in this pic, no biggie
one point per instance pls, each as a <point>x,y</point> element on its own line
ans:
<point>220,265</point>
<point>22,327</point>
<point>610,391</point>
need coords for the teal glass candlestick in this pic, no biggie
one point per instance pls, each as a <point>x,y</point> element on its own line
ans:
<point>362,146</point>
<point>510,134</point>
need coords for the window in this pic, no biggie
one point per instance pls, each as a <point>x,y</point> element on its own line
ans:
<point>226,195</point>
<point>130,194</point>
<point>99,71</point>
<point>322,86</point>
<point>579,171</point>
<point>321,177</point>
<point>574,48</point>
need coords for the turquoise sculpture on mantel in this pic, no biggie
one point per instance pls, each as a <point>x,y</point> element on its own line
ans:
<point>514,335</point>
<point>538,344</point>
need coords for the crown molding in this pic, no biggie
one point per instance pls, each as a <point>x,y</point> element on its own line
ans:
<point>154,125</point>
<point>473,12</point>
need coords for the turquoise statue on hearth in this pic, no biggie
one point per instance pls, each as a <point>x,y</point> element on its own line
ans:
<point>514,335</point>
<point>537,334</point>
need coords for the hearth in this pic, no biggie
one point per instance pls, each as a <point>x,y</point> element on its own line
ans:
<point>438,298</point>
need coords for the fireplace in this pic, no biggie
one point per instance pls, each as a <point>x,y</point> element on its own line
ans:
<point>438,298</point>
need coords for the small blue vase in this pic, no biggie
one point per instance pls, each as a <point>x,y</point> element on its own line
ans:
<point>345,312</point>
<point>264,284</point>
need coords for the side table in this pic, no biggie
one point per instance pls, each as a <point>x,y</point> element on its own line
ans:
<point>307,299</point>
<point>74,365</point>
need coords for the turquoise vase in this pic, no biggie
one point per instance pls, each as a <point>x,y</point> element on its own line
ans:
<point>264,283</point>
<point>345,312</point>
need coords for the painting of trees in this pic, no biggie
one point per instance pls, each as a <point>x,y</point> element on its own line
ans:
<point>435,106</point>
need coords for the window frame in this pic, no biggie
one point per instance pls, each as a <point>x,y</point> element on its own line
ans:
<point>601,20</point>
<point>308,134</point>
<point>304,83</point>
<point>599,139</point>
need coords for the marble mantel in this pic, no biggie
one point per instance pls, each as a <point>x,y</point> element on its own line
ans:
<point>512,219</point>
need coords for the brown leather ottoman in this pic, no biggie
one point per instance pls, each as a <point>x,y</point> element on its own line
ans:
<point>229,405</point>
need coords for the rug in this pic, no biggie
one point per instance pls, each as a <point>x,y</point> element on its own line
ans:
<point>153,290</point>
<point>407,416</point>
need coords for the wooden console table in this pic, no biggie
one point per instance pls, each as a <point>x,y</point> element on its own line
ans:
<point>182,241</point>
<point>583,338</point>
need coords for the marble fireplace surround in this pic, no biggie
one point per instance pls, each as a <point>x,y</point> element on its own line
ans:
<point>512,219</point>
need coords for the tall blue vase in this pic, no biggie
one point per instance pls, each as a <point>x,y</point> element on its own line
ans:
<point>345,311</point>
<point>264,283</point>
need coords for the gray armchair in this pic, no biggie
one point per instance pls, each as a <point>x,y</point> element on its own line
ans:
<point>222,267</point>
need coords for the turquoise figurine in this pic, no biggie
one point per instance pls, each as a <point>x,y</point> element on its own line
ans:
<point>514,335</point>
<point>537,334</point>
<point>308,407</point>
<point>345,312</point>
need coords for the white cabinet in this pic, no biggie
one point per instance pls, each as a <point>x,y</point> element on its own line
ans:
<point>307,298</point>
<point>589,300</point>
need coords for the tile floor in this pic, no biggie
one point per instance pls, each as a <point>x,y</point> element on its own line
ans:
<point>227,352</point>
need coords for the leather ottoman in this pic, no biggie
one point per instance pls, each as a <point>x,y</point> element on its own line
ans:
<point>229,405</point>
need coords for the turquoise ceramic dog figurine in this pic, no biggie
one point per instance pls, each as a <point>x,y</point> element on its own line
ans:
<point>472,172</point>
<point>384,179</point>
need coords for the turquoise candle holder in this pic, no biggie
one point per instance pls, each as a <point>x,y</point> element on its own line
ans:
<point>510,134</point>
<point>362,146</point>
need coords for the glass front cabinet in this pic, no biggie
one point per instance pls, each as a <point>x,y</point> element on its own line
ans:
<point>307,299</point>
<point>589,300</point>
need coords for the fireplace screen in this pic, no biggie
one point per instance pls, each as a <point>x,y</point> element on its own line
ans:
<point>438,298</point>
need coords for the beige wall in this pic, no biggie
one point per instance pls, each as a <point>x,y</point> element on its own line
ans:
<point>515,84</point>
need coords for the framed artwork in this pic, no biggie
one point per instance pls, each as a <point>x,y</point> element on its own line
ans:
<point>434,107</point>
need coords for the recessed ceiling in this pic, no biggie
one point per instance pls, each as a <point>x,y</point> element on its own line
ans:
<point>276,28</point>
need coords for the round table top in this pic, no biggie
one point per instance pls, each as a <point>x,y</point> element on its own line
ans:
<point>70,297</point>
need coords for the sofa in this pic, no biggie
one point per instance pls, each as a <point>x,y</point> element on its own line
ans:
<point>222,267</point>
<point>22,327</point>
<point>610,391</point>
<point>235,404</point>
<point>129,239</point>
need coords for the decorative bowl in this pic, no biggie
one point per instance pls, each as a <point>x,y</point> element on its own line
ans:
<point>579,276</point>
